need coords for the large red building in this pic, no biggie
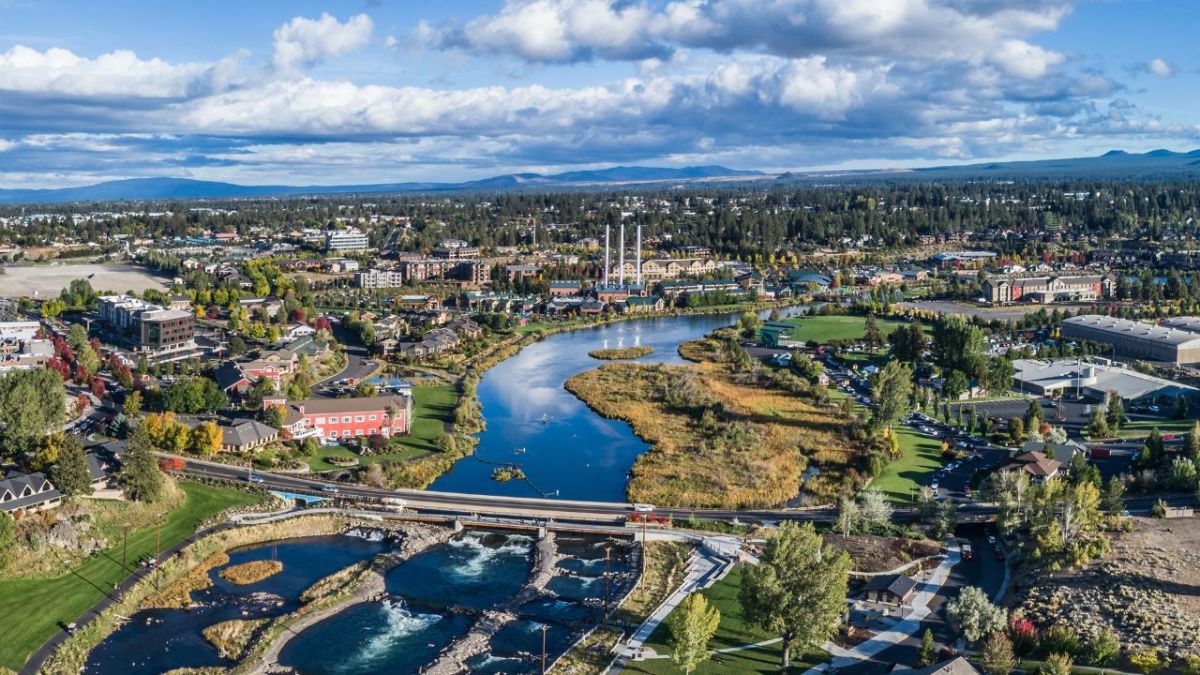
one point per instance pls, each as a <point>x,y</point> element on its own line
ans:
<point>333,419</point>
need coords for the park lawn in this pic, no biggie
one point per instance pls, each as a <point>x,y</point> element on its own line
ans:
<point>38,608</point>
<point>1138,428</point>
<point>433,408</point>
<point>919,455</point>
<point>734,631</point>
<point>823,329</point>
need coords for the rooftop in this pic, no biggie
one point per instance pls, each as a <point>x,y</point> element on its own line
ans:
<point>1136,329</point>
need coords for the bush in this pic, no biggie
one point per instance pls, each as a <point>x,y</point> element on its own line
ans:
<point>1060,639</point>
<point>1057,664</point>
<point>1103,648</point>
<point>1146,661</point>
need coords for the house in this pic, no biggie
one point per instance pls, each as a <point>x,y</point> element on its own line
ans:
<point>246,435</point>
<point>1035,464</point>
<point>1060,452</point>
<point>331,419</point>
<point>179,302</point>
<point>890,589</point>
<point>956,666</point>
<point>231,379</point>
<point>639,305</point>
<point>28,493</point>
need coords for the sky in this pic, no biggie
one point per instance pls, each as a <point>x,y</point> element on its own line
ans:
<point>327,93</point>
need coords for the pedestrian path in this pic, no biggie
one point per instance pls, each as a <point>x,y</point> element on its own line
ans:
<point>903,629</point>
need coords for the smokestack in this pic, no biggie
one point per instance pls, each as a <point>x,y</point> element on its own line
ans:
<point>607,227</point>
<point>621,256</point>
<point>638,271</point>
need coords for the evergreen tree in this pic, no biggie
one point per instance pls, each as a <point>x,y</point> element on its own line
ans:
<point>70,474</point>
<point>8,540</point>
<point>928,654</point>
<point>140,476</point>
<point>873,337</point>
<point>997,657</point>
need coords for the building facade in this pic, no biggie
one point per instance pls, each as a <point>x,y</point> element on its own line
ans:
<point>147,326</point>
<point>1006,289</point>
<point>346,240</point>
<point>333,419</point>
<point>1135,338</point>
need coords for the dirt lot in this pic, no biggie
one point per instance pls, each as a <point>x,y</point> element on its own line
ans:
<point>45,281</point>
<point>880,554</point>
<point>1147,590</point>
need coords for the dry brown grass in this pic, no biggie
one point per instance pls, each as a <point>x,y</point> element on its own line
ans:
<point>618,353</point>
<point>880,554</point>
<point>231,638</point>
<point>251,572</point>
<point>751,453</point>
<point>179,594</point>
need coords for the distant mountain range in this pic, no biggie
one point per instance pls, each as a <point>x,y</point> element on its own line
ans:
<point>1116,164</point>
<point>184,188</point>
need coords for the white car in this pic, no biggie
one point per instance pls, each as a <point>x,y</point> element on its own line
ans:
<point>643,508</point>
<point>330,488</point>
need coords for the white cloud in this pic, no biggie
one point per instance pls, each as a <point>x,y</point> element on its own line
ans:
<point>306,41</point>
<point>120,73</point>
<point>6,144</point>
<point>1160,68</point>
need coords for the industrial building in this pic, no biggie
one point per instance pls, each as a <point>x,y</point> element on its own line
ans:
<point>1092,379</point>
<point>1135,338</point>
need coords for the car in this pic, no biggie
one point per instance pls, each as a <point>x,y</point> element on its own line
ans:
<point>991,539</point>
<point>255,479</point>
<point>934,485</point>
<point>329,488</point>
<point>643,508</point>
<point>1154,409</point>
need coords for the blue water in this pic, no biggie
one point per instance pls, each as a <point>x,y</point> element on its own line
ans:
<point>157,640</point>
<point>482,568</point>
<point>576,454</point>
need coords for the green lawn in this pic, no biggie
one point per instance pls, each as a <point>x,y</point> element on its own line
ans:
<point>35,608</point>
<point>824,329</point>
<point>433,406</point>
<point>919,456</point>
<point>734,631</point>
<point>1140,428</point>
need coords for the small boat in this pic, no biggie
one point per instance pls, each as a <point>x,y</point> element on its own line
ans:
<point>518,451</point>
<point>544,418</point>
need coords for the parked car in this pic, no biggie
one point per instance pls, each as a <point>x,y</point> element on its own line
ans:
<point>330,488</point>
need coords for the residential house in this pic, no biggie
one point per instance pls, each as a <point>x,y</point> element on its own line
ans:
<point>1035,464</point>
<point>642,305</point>
<point>28,493</point>
<point>890,589</point>
<point>331,419</point>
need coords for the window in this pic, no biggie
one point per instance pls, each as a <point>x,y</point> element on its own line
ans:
<point>333,434</point>
<point>358,432</point>
<point>373,417</point>
<point>346,433</point>
<point>319,420</point>
<point>346,419</point>
<point>358,418</point>
<point>372,431</point>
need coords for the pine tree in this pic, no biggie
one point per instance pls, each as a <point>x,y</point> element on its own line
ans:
<point>928,654</point>
<point>70,474</point>
<point>997,657</point>
<point>140,476</point>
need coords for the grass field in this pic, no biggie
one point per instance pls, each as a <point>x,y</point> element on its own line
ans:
<point>1138,428</point>
<point>824,329</point>
<point>37,608</point>
<point>433,406</point>
<point>734,631</point>
<point>919,456</point>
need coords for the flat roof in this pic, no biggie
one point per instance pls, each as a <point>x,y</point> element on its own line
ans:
<point>1056,373</point>
<point>1136,329</point>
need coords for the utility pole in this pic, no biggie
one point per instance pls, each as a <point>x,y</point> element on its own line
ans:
<point>607,551</point>
<point>545,627</point>
<point>158,555</point>
<point>642,581</point>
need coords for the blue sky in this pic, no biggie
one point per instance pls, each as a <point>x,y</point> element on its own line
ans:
<point>380,91</point>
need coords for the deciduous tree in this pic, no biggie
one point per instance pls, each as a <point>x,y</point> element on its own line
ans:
<point>973,615</point>
<point>692,625</point>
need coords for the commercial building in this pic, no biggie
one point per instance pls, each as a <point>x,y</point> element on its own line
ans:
<point>962,258</point>
<point>426,269</point>
<point>1046,289</point>
<point>379,279</point>
<point>1134,338</point>
<point>1093,379</point>
<point>346,240</point>
<point>147,326</point>
<point>331,419</point>
<point>19,330</point>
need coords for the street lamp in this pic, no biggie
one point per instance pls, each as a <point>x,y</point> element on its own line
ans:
<point>544,627</point>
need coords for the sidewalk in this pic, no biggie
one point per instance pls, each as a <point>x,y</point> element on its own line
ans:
<point>907,627</point>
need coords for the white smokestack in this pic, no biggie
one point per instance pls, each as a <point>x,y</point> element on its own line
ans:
<point>638,271</point>
<point>621,256</point>
<point>606,245</point>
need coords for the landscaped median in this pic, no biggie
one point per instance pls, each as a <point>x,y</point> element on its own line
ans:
<point>63,599</point>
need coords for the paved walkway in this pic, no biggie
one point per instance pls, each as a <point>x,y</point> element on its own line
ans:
<point>704,570</point>
<point>903,629</point>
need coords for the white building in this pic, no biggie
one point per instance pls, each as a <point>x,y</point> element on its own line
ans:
<point>346,240</point>
<point>1093,379</point>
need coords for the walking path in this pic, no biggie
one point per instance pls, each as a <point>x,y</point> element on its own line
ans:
<point>704,570</point>
<point>903,629</point>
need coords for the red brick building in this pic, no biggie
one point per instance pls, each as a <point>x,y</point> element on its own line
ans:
<point>332,419</point>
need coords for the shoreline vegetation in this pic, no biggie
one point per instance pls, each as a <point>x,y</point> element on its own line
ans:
<point>468,418</point>
<point>722,436</point>
<point>251,572</point>
<point>621,353</point>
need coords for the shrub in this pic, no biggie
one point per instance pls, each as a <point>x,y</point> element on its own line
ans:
<point>1060,639</point>
<point>1057,664</point>
<point>1103,648</point>
<point>1146,661</point>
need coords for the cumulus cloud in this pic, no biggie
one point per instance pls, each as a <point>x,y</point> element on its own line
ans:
<point>1160,68</point>
<point>119,73</point>
<point>307,41</point>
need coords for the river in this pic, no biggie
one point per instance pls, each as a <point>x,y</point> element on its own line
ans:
<point>572,452</point>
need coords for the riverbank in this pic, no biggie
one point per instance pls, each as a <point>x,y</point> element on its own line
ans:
<point>620,353</point>
<point>71,656</point>
<point>721,437</point>
<point>468,419</point>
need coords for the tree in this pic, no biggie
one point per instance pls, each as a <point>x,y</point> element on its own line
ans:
<point>70,474</point>
<point>1103,648</point>
<point>973,615</point>
<point>140,477</point>
<point>957,345</point>
<point>275,416</point>
<point>1000,375</point>
<point>77,337</point>
<point>205,439</point>
<point>1113,501</point>
<point>908,342</point>
<point>928,654</point>
<point>133,404</point>
<point>1193,441</point>
<point>8,539</point>
<point>693,624</point>
<point>891,388</point>
<point>955,385</point>
<point>997,656</point>
<point>872,336</point>
<point>1115,413</point>
<point>875,512</point>
<point>165,433</point>
<point>847,516</point>
<point>1058,664</point>
<point>32,404</point>
<point>1098,425</point>
<point>798,589</point>
<point>1033,415</point>
<point>1016,430</point>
